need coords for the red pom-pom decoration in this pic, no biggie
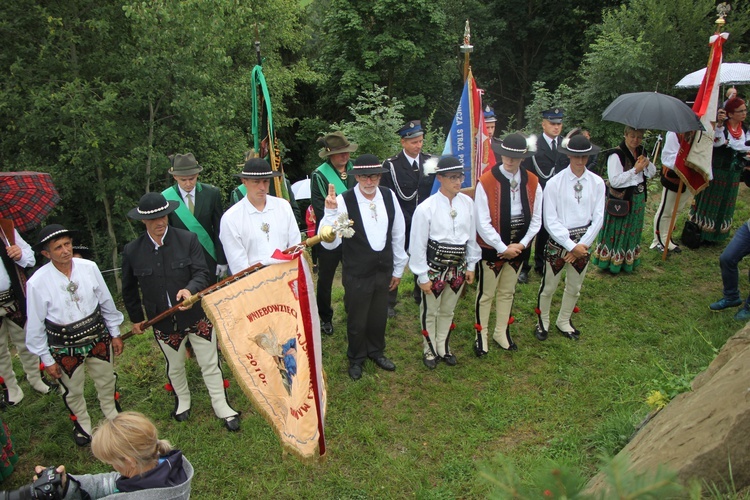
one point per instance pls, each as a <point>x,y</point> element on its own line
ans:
<point>226,383</point>
<point>537,311</point>
<point>453,326</point>
<point>425,333</point>
<point>478,327</point>
<point>168,387</point>
<point>73,418</point>
<point>41,367</point>
<point>511,320</point>
<point>117,396</point>
<point>575,309</point>
<point>2,380</point>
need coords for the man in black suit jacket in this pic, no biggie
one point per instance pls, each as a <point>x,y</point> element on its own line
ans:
<point>167,265</point>
<point>405,175</point>
<point>545,164</point>
<point>199,210</point>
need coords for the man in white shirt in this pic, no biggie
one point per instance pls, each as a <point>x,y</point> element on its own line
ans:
<point>573,215</point>
<point>373,260</point>
<point>16,256</point>
<point>508,204</point>
<point>444,253</point>
<point>666,208</point>
<point>259,224</point>
<point>73,321</point>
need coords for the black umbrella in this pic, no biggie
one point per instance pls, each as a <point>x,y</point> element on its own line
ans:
<point>651,110</point>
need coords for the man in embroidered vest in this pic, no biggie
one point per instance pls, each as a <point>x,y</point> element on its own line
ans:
<point>573,214</point>
<point>405,176</point>
<point>373,260</point>
<point>199,210</point>
<point>444,253</point>
<point>17,256</point>
<point>545,163</point>
<point>160,268</point>
<point>72,323</point>
<point>508,204</point>
<point>253,229</point>
<point>336,171</point>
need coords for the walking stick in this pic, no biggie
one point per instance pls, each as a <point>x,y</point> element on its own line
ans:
<point>673,219</point>
<point>327,234</point>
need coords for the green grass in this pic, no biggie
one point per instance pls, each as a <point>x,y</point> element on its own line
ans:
<point>428,434</point>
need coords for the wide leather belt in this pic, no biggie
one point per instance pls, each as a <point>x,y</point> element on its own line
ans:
<point>81,333</point>
<point>6,296</point>
<point>441,255</point>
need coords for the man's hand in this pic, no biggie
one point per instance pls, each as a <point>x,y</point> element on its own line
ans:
<point>53,370</point>
<point>426,287</point>
<point>184,294</point>
<point>117,345</point>
<point>221,270</point>
<point>14,252</point>
<point>60,470</point>
<point>578,252</point>
<point>138,327</point>
<point>331,198</point>
<point>394,283</point>
<point>469,277</point>
<point>513,251</point>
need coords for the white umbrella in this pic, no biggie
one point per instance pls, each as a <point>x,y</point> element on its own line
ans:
<point>729,74</point>
<point>301,189</point>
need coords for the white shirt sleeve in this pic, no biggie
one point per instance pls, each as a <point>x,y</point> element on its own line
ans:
<point>484,221</point>
<point>398,238</point>
<point>536,218</point>
<point>231,240</point>
<point>420,233</point>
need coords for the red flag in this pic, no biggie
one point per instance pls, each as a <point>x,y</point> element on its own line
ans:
<point>693,163</point>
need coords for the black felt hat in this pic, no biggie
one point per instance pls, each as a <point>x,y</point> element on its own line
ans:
<point>578,145</point>
<point>513,146</point>
<point>368,164</point>
<point>152,206</point>
<point>50,233</point>
<point>257,168</point>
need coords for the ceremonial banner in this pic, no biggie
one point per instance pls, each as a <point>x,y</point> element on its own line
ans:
<point>468,140</point>
<point>693,163</point>
<point>270,336</point>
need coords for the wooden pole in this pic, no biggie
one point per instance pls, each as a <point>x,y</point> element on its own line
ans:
<point>326,234</point>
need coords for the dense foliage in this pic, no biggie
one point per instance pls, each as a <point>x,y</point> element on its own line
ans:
<point>100,93</point>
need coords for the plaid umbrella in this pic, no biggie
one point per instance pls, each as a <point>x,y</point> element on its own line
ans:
<point>27,198</point>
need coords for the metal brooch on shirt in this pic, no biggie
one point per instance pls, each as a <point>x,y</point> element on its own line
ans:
<point>513,188</point>
<point>72,288</point>
<point>374,210</point>
<point>453,215</point>
<point>578,188</point>
<point>266,228</point>
<point>344,175</point>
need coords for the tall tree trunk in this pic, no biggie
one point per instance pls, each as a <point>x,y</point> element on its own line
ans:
<point>110,227</point>
<point>151,123</point>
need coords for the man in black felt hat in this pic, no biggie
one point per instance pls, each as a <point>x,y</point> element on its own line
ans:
<point>405,175</point>
<point>573,215</point>
<point>335,170</point>
<point>72,322</point>
<point>545,163</point>
<point>508,202</point>
<point>373,260</point>
<point>162,267</point>
<point>199,210</point>
<point>259,224</point>
<point>444,253</point>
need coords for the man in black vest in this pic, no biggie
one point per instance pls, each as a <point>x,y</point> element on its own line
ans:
<point>199,210</point>
<point>373,260</point>
<point>405,175</point>
<point>162,267</point>
<point>545,164</point>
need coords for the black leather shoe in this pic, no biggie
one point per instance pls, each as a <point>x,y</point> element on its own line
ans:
<point>385,363</point>
<point>232,423</point>
<point>429,360</point>
<point>512,347</point>
<point>181,417</point>
<point>355,371</point>
<point>450,359</point>
<point>574,335</point>
<point>478,351</point>
<point>80,438</point>
<point>391,312</point>
<point>523,277</point>
<point>327,328</point>
<point>539,270</point>
<point>540,333</point>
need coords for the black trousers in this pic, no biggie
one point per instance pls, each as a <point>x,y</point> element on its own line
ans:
<point>328,261</point>
<point>540,241</point>
<point>366,301</point>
